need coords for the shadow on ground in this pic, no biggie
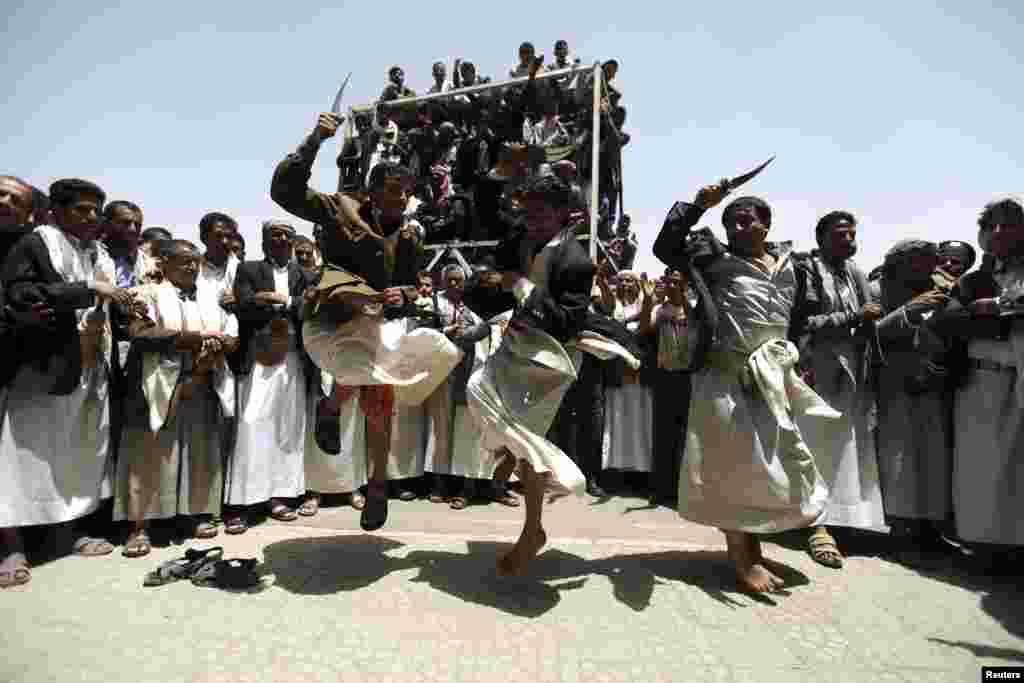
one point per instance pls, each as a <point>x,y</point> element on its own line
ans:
<point>322,566</point>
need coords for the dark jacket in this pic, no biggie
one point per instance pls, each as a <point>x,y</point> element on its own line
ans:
<point>365,257</point>
<point>252,278</point>
<point>29,278</point>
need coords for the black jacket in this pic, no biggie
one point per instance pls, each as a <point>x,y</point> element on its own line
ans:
<point>252,278</point>
<point>29,278</point>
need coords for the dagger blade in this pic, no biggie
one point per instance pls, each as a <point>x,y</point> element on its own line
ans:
<point>732,183</point>
<point>336,107</point>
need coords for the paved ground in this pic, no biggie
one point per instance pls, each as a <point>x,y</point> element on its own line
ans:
<point>623,593</point>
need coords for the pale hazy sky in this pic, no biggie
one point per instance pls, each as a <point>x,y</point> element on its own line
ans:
<point>906,113</point>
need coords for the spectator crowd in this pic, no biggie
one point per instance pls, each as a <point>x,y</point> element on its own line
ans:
<point>157,382</point>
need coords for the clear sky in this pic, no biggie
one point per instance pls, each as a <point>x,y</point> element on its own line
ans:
<point>907,113</point>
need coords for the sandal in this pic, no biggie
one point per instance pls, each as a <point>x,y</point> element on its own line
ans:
<point>235,526</point>
<point>19,572</point>
<point>283,513</point>
<point>92,547</point>
<point>824,550</point>
<point>309,507</point>
<point>235,573</point>
<point>205,530</point>
<point>138,545</point>
<point>458,503</point>
<point>183,567</point>
<point>357,500</point>
<point>437,498</point>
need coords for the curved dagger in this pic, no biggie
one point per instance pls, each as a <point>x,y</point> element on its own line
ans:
<point>730,184</point>
<point>336,107</point>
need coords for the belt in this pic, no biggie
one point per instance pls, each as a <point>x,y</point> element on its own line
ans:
<point>991,366</point>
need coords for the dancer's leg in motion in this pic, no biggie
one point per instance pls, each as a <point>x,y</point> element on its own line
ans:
<point>533,538</point>
<point>377,409</point>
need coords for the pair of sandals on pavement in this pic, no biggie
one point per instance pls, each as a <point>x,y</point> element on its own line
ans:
<point>206,568</point>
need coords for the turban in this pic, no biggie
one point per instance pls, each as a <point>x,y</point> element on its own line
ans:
<point>267,225</point>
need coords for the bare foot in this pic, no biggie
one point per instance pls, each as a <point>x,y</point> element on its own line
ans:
<point>750,576</point>
<point>515,562</point>
<point>757,557</point>
<point>14,570</point>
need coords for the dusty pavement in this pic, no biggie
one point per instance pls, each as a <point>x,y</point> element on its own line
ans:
<point>622,593</point>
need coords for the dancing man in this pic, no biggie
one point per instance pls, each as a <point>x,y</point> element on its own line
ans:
<point>746,469</point>
<point>354,327</point>
<point>514,397</point>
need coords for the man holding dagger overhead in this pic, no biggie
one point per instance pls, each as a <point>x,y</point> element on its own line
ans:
<point>746,469</point>
<point>354,320</point>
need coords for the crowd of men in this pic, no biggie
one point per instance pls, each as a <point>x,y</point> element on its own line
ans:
<point>156,381</point>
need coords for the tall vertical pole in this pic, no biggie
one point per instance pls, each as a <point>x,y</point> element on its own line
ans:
<point>595,158</point>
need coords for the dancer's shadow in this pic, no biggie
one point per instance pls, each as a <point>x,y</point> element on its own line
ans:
<point>331,564</point>
<point>318,566</point>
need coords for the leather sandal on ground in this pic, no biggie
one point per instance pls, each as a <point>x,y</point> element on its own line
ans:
<point>235,526</point>
<point>309,507</point>
<point>824,550</point>
<point>205,529</point>
<point>14,570</point>
<point>183,567</point>
<point>138,545</point>
<point>283,513</point>
<point>92,547</point>
<point>458,503</point>
<point>235,574</point>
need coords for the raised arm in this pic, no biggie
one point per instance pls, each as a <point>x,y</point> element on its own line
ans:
<point>670,245</point>
<point>290,184</point>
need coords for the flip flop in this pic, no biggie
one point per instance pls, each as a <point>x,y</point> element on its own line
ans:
<point>458,503</point>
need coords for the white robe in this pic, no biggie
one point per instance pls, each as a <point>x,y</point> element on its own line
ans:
<point>270,445</point>
<point>55,460</point>
<point>746,467</point>
<point>174,465</point>
<point>844,448</point>
<point>988,460</point>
